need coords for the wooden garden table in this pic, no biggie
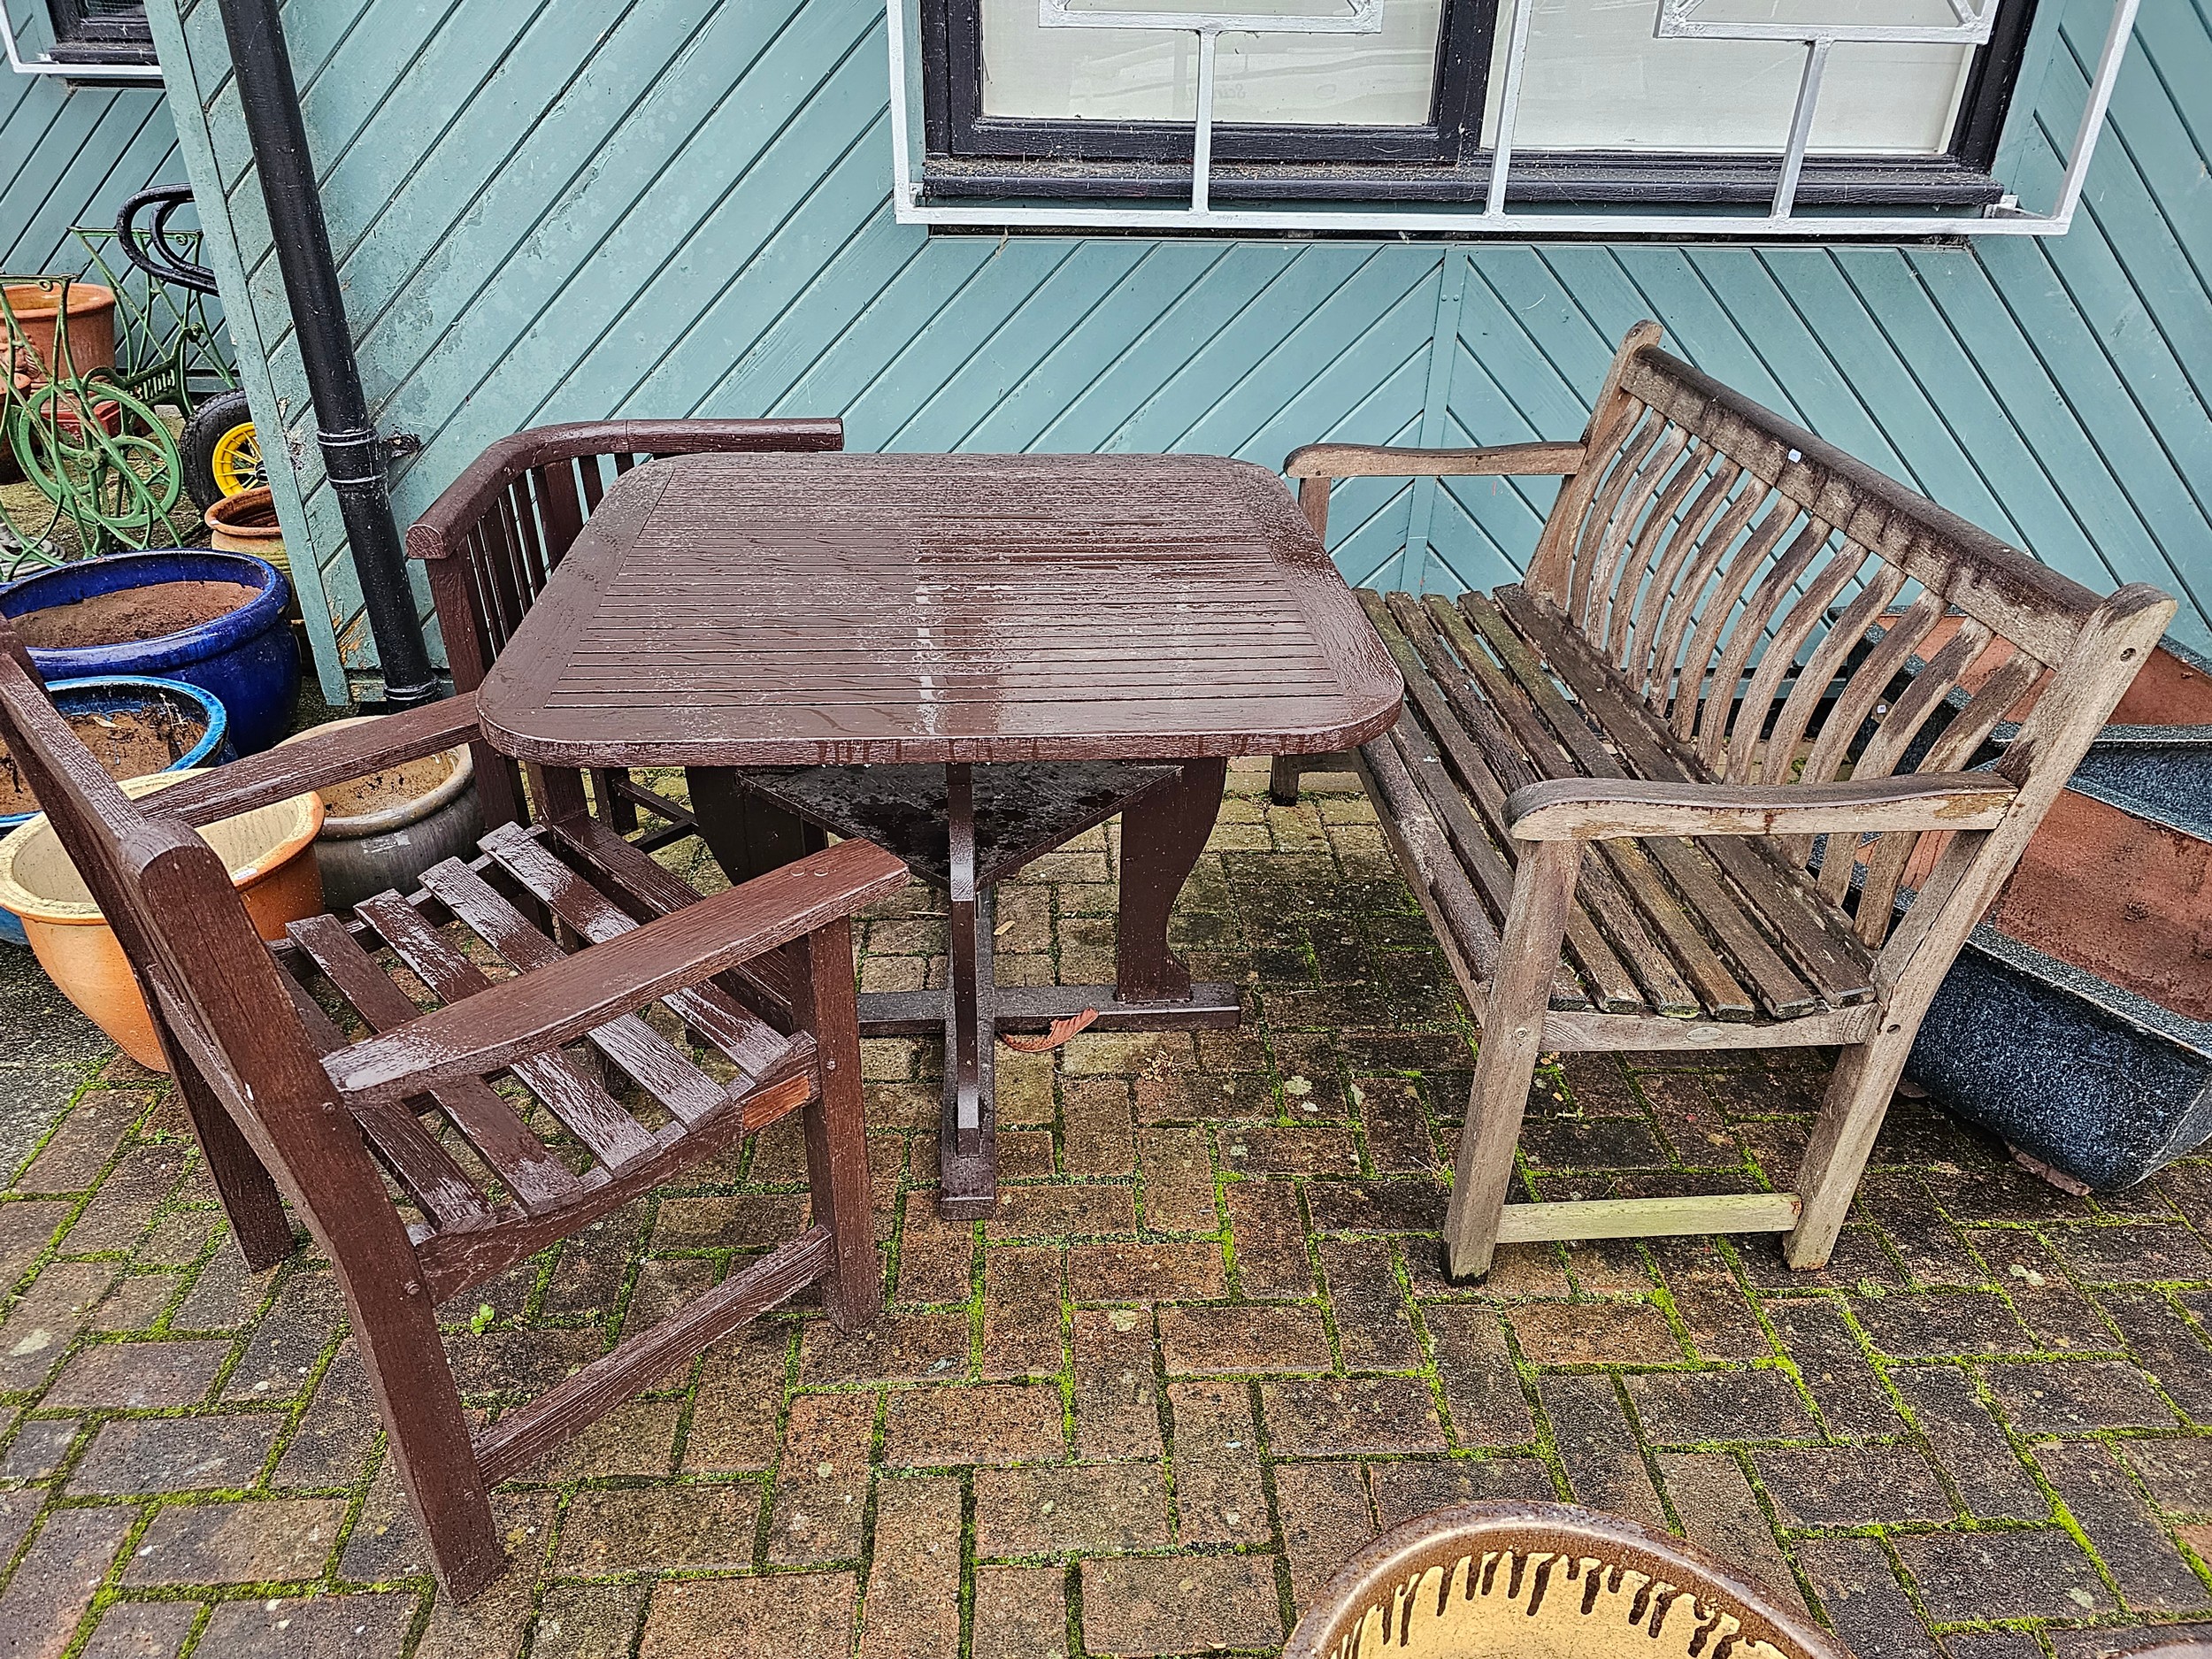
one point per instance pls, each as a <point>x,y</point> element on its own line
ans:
<point>1116,625</point>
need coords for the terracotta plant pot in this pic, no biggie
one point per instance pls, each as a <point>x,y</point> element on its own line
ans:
<point>264,851</point>
<point>383,831</point>
<point>247,523</point>
<point>36,307</point>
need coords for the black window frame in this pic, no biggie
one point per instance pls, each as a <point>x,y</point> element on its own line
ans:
<point>970,154</point>
<point>83,36</point>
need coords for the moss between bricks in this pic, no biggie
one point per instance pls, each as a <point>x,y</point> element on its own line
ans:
<point>1313,922</point>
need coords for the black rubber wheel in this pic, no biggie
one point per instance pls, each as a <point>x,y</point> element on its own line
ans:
<point>220,456</point>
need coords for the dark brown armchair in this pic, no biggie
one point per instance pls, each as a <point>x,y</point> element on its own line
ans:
<point>611,1103</point>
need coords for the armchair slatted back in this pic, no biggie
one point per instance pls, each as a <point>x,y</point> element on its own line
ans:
<point>500,529</point>
<point>503,526</point>
<point>1795,616</point>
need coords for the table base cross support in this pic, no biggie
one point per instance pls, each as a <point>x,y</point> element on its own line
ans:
<point>964,829</point>
<point>967,1159</point>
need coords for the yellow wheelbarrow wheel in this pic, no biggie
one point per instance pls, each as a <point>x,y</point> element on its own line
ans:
<point>238,461</point>
<point>221,452</point>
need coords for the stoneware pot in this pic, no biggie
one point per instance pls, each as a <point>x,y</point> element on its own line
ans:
<point>192,710</point>
<point>1547,1581</point>
<point>247,657</point>
<point>265,851</point>
<point>381,832</point>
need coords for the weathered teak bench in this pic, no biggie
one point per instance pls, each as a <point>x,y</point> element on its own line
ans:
<point>1710,677</point>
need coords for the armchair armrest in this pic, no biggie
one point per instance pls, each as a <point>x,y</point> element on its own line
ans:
<point>316,762</point>
<point>1607,809</point>
<point>1376,460</point>
<point>543,1010</point>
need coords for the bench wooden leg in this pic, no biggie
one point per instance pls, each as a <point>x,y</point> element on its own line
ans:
<point>1512,1035</point>
<point>1282,780</point>
<point>1859,1093</point>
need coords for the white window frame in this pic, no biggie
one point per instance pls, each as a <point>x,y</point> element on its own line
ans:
<point>90,68</point>
<point>1677,20</point>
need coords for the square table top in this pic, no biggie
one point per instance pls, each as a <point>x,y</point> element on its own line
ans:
<point>840,609</point>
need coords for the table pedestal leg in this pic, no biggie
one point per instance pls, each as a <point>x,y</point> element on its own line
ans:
<point>748,835</point>
<point>1163,832</point>
<point>967,1150</point>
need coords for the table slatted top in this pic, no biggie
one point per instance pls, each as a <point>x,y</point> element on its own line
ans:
<point>761,609</point>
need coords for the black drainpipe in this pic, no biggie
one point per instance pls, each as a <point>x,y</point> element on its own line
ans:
<point>353,457</point>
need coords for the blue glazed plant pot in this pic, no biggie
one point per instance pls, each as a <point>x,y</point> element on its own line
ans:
<point>112,694</point>
<point>245,658</point>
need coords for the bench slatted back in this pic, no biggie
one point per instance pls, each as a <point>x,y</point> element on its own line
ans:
<point>1754,586</point>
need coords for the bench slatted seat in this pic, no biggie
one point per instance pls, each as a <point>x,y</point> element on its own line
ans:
<point>1634,944</point>
<point>1712,680</point>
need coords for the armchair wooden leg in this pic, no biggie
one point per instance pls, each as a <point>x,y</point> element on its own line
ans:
<point>1859,1093</point>
<point>250,1198</point>
<point>404,1355</point>
<point>1512,1035</point>
<point>836,1134</point>
<point>747,833</point>
<point>498,786</point>
<point>617,810</point>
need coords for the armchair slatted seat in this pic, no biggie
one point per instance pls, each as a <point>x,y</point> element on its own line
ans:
<point>1667,791</point>
<point>597,1027</point>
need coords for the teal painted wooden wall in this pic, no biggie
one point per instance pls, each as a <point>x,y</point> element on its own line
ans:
<point>70,154</point>
<point>671,207</point>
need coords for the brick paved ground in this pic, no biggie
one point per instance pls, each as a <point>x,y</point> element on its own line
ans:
<point>1202,1353</point>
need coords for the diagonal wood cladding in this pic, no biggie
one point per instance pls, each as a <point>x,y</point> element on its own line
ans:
<point>680,206</point>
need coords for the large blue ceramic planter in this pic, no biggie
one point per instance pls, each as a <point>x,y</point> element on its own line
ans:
<point>112,694</point>
<point>246,659</point>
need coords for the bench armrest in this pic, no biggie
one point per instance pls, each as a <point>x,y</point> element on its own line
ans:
<point>1608,809</point>
<point>1376,460</point>
<point>539,1011</point>
<point>320,761</point>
